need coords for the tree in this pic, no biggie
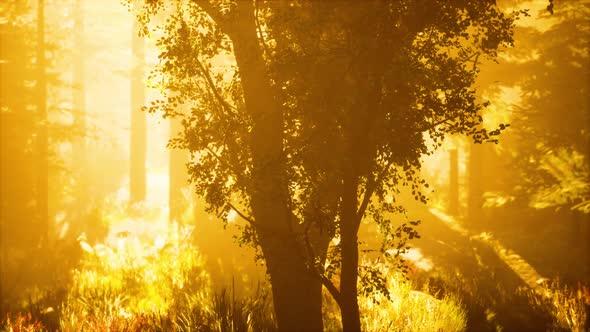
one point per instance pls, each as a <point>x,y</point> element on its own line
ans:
<point>556,105</point>
<point>138,143</point>
<point>25,149</point>
<point>479,180</point>
<point>177,174</point>
<point>424,85</point>
<point>17,151</point>
<point>323,119</point>
<point>79,104</point>
<point>43,134</point>
<point>551,170</point>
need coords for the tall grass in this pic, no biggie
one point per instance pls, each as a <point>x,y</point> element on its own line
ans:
<point>142,284</point>
<point>138,283</point>
<point>551,306</point>
<point>407,309</point>
<point>411,310</point>
<point>568,306</point>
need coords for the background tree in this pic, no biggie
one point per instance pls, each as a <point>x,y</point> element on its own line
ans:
<point>28,142</point>
<point>551,170</point>
<point>547,182</point>
<point>177,174</point>
<point>556,111</point>
<point>138,145</point>
<point>17,153</point>
<point>43,134</point>
<point>79,106</point>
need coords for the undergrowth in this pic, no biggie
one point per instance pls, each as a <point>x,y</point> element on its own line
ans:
<point>157,282</point>
<point>409,308</point>
<point>568,306</point>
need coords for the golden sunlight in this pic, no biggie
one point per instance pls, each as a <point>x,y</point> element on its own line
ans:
<point>253,166</point>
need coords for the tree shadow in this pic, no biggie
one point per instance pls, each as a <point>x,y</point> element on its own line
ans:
<point>469,267</point>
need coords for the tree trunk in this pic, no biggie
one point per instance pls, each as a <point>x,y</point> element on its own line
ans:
<point>177,175</point>
<point>454,182</point>
<point>296,293</point>
<point>361,148</point>
<point>79,103</point>
<point>480,180</point>
<point>349,306</point>
<point>42,140</point>
<point>137,175</point>
<point>475,178</point>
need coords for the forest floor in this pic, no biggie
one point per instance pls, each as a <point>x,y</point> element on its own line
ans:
<point>481,269</point>
<point>494,282</point>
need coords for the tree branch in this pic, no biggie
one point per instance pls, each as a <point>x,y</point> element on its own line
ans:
<point>243,216</point>
<point>318,274</point>
<point>332,289</point>
<point>214,154</point>
<point>369,190</point>
<point>259,29</point>
<point>213,88</point>
<point>436,124</point>
<point>208,7</point>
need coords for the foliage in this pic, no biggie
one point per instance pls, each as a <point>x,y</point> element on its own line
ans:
<point>251,314</point>
<point>568,182</point>
<point>102,309</point>
<point>549,147</point>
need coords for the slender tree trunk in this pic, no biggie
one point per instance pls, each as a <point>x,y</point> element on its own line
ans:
<point>177,175</point>
<point>349,306</point>
<point>475,179</point>
<point>79,101</point>
<point>296,293</point>
<point>137,175</point>
<point>360,148</point>
<point>42,175</point>
<point>454,182</point>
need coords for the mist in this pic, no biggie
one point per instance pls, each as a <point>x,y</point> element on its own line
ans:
<point>294,165</point>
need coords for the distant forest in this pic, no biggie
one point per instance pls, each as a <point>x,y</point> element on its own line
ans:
<point>294,165</point>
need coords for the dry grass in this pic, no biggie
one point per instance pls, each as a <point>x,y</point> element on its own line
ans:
<point>407,309</point>
<point>146,276</point>
<point>412,310</point>
<point>568,306</point>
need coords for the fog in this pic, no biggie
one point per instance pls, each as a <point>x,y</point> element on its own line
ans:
<point>162,171</point>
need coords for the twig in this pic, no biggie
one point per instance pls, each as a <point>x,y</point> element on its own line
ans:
<point>318,274</point>
<point>213,88</point>
<point>243,216</point>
